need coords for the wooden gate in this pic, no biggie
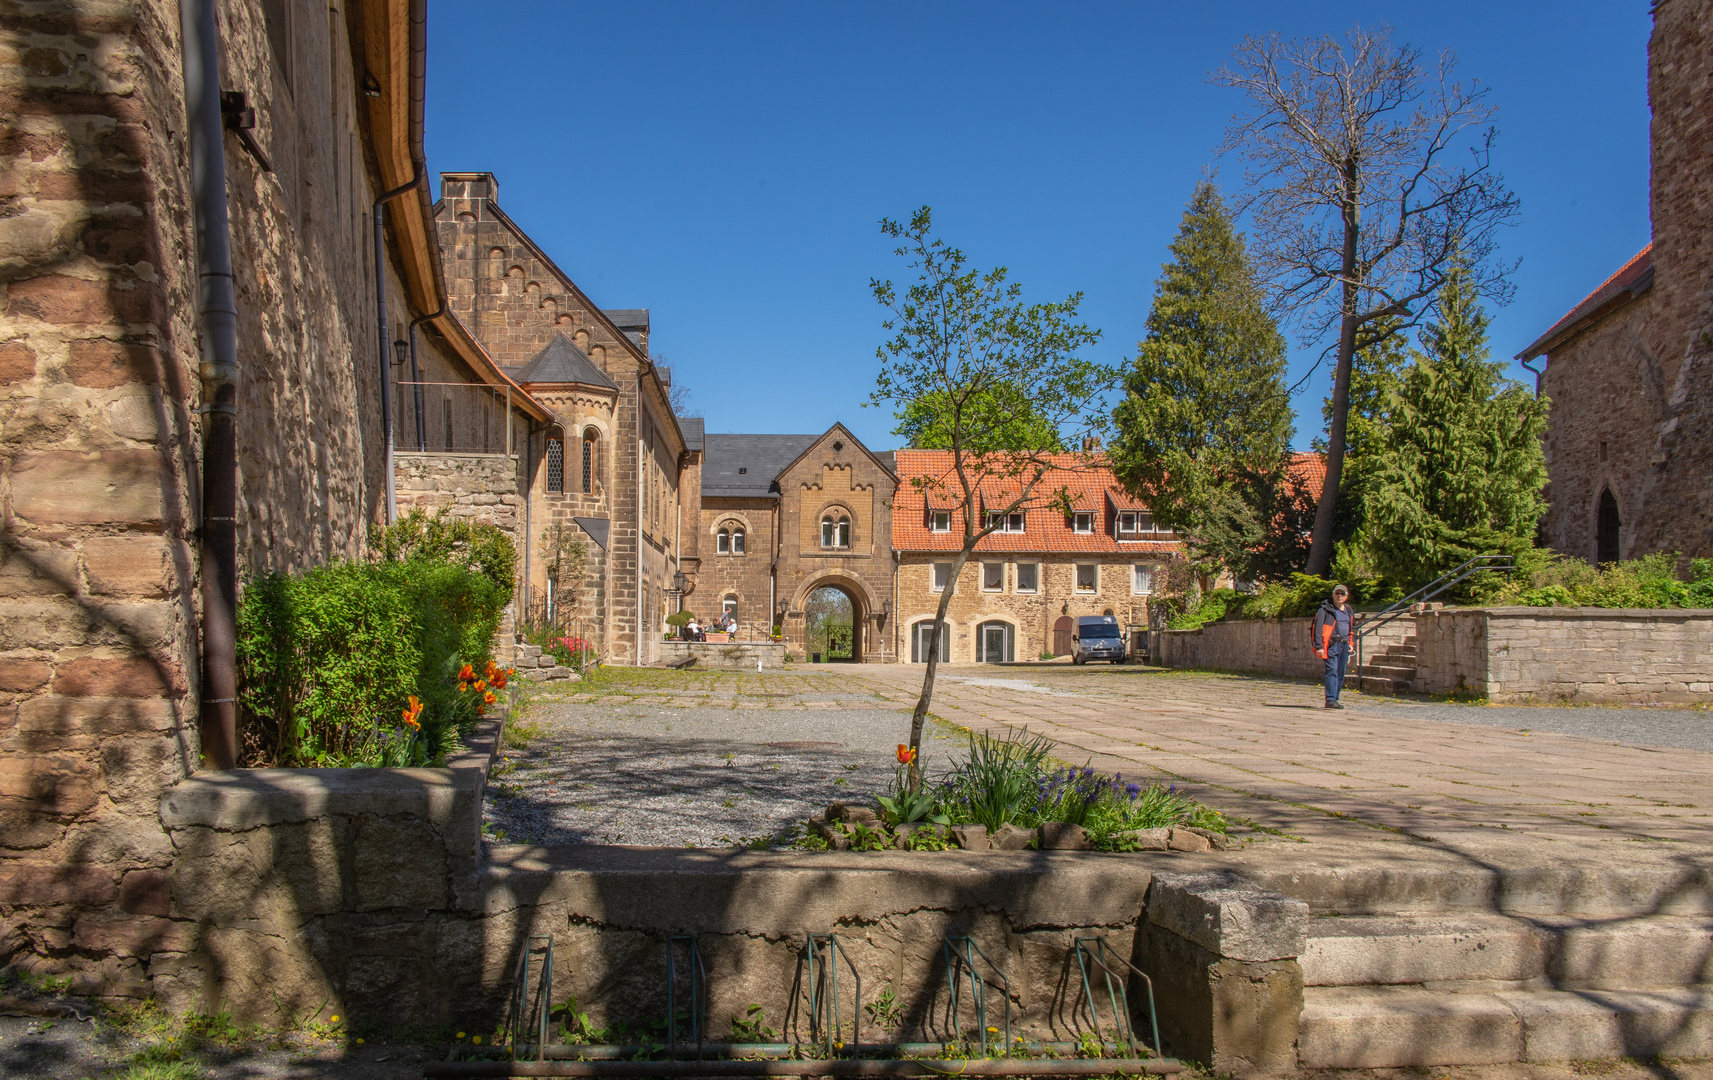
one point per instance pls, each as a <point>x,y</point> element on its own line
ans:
<point>1062,636</point>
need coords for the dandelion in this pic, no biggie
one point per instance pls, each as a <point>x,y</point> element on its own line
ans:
<point>477,1039</point>
<point>335,1020</point>
<point>359,1042</point>
<point>460,1034</point>
<point>993,1031</point>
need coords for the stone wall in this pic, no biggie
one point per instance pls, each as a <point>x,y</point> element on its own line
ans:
<point>748,577</point>
<point>481,487</point>
<point>1522,654</point>
<point>99,438</point>
<point>1264,646</point>
<point>725,655</point>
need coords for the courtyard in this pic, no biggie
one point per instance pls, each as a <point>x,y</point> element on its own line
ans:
<point>720,759</point>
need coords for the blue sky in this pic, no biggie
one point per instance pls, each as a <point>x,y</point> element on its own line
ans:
<point>725,165</point>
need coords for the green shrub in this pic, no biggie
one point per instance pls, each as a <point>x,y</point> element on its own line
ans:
<point>1648,582</point>
<point>442,539</point>
<point>328,661</point>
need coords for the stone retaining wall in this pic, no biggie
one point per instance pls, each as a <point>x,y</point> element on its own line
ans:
<point>1526,654</point>
<point>1265,646</point>
<point>1506,655</point>
<point>482,487</point>
<point>725,655</point>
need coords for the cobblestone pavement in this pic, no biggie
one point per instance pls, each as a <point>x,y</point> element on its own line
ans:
<point>1260,748</point>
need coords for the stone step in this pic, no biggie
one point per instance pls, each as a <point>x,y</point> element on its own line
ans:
<point>1386,671</point>
<point>1608,890</point>
<point>1651,952</point>
<point>1364,950</point>
<point>1368,684</point>
<point>1404,1027</point>
<point>1395,654</point>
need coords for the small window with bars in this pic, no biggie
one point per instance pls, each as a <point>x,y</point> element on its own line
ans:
<point>555,465</point>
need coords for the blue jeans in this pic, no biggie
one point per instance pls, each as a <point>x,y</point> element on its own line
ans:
<point>1337,659</point>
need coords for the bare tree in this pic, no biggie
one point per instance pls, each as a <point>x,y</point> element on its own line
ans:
<point>966,345</point>
<point>1370,175</point>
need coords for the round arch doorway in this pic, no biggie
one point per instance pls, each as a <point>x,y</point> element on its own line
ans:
<point>832,625</point>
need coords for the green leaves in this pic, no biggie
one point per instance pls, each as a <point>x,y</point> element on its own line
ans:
<point>1205,424</point>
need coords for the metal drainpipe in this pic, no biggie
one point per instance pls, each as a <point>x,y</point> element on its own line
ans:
<point>639,483</point>
<point>416,375</point>
<point>528,486</point>
<point>386,345</point>
<point>1537,374</point>
<point>218,712</point>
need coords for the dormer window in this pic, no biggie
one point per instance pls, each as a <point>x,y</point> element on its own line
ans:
<point>1007,523</point>
<point>1127,522</point>
<point>1082,523</point>
<point>940,521</point>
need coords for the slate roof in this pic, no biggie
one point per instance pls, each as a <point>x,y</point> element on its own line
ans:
<point>632,322</point>
<point>1045,529</point>
<point>693,429</point>
<point>561,361</point>
<point>1632,279</point>
<point>762,457</point>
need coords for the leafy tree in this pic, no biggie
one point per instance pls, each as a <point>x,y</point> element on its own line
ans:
<point>962,340</point>
<point>1375,377</point>
<point>1459,469</point>
<point>1205,425</point>
<point>922,423</point>
<point>1370,175</point>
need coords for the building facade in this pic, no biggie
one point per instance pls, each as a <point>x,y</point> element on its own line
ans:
<point>1020,592</point>
<point>1629,370</point>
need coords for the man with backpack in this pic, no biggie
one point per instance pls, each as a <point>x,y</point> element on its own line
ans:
<point>1334,638</point>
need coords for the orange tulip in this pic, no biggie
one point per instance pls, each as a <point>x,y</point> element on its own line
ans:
<point>480,685</point>
<point>463,686</point>
<point>905,754</point>
<point>488,698</point>
<point>466,673</point>
<point>410,715</point>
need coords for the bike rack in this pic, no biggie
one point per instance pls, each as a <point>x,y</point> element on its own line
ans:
<point>823,952</point>
<point>1096,951</point>
<point>522,1016</point>
<point>960,954</point>
<point>698,992</point>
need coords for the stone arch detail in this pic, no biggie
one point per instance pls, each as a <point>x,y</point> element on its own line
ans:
<point>726,517</point>
<point>856,586</point>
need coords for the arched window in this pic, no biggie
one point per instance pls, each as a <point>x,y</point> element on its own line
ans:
<point>555,465</point>
<point>729,606</point>
<point>835,531</point>
<point>591,444</point>
<point>737,541</point>
<point>723,542</point>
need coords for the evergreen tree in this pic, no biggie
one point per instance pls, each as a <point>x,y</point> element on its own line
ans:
<point>1459,469</point>
<point>1205,424</point>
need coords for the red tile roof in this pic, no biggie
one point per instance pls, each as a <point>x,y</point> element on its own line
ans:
<point>1631,280</point>
<point>1309,467</point>
<point>1088,480</point>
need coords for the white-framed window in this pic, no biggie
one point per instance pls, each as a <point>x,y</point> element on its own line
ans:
<point>1088,577</point>
<point>1014,523</point>
<point>835,531</point>
<point>729,606</point>
<point>1127,521</point>
<point>1082,522</point>
<point>1006,523</point>
<point>737,541</point>
<point>1141,580</point>
<point>723,542</point>
<point>1028,577</point>
<point>992,577</point>
<point>941,575</point>
<point>922,634</point>
<point>940,521</point>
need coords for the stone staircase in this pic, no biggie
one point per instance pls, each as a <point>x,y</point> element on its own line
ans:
<point>1392,670</point>
<point>532,663</point>
<point>1469,986</point>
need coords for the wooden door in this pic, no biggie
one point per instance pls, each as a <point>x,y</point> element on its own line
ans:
<point>1062,636</point>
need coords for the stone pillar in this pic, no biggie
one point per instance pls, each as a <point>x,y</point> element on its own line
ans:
<point>1222,953</point>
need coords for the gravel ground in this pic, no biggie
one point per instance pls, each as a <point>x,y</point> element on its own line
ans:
<point>707,775</point>
<point>39,1049</point>
<point>1636,725</point>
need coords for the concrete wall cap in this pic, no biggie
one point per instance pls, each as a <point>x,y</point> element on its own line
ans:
<point>1228,915</point>
<point>255,798</point>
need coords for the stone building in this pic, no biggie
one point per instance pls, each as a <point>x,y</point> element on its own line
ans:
<point>605,473</point>
<point>785,515</point>
<point>1629,370</point>
<point>102,419</point>
<point>1019,594</point>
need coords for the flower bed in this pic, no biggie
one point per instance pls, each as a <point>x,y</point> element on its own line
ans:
<point>1011,793</point>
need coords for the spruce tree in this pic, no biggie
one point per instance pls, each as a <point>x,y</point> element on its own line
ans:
<point>1205,425</point>
<point>1459,470</point>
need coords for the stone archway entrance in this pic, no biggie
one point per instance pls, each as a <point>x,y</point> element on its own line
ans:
<point>833,624</point>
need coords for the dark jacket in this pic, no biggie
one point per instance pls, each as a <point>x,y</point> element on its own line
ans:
<point>1326,626</point>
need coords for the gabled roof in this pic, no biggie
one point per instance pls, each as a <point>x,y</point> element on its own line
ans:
<point>561,361</point>
<point>1046,530</point>
<point>694,431</point>
<point>841,429</point>
<point>1309,468</point>
<point>633,321</point>
<point>1632,280</point>
<point>760,457</point>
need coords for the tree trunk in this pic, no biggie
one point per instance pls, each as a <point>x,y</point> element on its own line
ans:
<point>1320,549</point>
<point>920,716</point>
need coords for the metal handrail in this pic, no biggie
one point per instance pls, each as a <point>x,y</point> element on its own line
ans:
<point>1462,572</point>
